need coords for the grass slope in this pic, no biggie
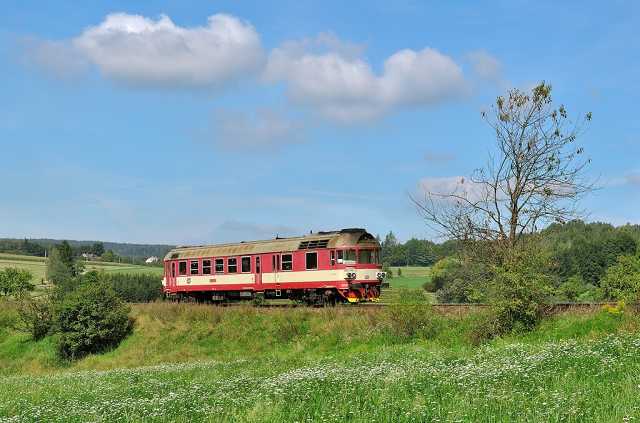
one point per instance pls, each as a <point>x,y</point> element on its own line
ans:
<point>199,363</point>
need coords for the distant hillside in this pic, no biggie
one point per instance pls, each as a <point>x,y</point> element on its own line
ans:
<point>136,251</point>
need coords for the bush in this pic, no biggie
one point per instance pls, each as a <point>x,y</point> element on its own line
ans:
<point>132,288</point>
<point>573,288</point>
<point>14,281</point>
<point>443,271</point>
<point>460,283</point>
<point>35,315</point>
<point>91,319</point>
<point>136,288</point>
<point>408,321</point>
<point>622,280</point>
<point>518,296</point>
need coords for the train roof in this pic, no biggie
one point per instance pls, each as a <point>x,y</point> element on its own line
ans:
<point>334,239</point>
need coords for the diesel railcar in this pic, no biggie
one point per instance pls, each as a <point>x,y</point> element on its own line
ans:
<point>318,268</point>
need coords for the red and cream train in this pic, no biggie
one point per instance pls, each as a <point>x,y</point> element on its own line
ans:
<point>319,268</point>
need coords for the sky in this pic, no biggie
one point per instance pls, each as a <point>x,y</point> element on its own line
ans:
<point>215,121</point>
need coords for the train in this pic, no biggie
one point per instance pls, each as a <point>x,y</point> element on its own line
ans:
<point>320,268</point>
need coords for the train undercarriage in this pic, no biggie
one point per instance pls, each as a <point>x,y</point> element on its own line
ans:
<point>354,294</point>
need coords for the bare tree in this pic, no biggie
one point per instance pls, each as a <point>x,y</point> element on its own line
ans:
<point>535,177</point>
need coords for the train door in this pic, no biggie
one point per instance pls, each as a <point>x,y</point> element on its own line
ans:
<point>170,273</point>
<point>275,264</point>
<point>258,270</point>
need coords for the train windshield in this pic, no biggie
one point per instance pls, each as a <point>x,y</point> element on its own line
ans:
<point>350,256</point>
<point>365,256</point>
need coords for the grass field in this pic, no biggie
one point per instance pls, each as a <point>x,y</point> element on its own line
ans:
<point>199,363</point>
<point>37,266</point>
<point>408,287</point>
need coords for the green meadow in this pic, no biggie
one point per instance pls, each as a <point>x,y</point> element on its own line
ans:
<point>187,362</point>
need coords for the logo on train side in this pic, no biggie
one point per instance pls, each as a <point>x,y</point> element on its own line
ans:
<point>188,280</point>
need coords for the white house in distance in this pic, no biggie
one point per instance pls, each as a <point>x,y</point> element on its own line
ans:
<point>152,259</point>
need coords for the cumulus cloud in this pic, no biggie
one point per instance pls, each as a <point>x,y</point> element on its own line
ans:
<point>264,128</point>
<point>59,58</point>
<point>342,86</point>
<point>137,50</point>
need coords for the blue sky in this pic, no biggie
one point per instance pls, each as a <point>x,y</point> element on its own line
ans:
<point>156,123</point>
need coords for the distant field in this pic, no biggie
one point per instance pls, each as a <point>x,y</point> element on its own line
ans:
<point>37,266</point>
<point>412,277</point>
<point>408,287</point>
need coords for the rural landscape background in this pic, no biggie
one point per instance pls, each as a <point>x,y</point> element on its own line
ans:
<point>493,151</point>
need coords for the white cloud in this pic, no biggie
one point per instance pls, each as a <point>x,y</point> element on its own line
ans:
<point>342,86</point>
<point>485,65</point>
<point>59,58</point>
<point>264,128</point>
<point>137,50</point>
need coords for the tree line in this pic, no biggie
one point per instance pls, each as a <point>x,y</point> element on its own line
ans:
<point>414,252</point>
<point>129,253</point>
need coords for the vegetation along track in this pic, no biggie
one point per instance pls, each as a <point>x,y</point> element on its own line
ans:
<point>447,308</point>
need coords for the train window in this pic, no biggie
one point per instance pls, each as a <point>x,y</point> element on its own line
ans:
<point>340,255</point>
<point>206,267</point>
<point>194,267</point>
<point>257,264</point>
<point>312,261</point>
<point>365,256</point>
<point>182,268</point>
<point>232,265</point>
<point>287,262</point>
<point>173,270</point>
<point>350,256</point>
<point>273,263</point>
<point>246,264</point>
<point>219,265</point>
<point>333,258</point>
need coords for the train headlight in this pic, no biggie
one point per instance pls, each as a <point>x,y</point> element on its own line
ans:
<point>350,275</point>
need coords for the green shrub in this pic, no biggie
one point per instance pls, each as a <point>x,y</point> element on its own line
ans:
<point>573,288</point>
<point>132,288</point>
<point>518,298</point>
<point>35,315</point>
<point>15,281</point>
<point>136,288</point>
<point>443,271</point>
<point>622,280</point>
<point>399,271</point>
<point>91,319</point>
<point>462,283</point>
<point>408,321</point>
